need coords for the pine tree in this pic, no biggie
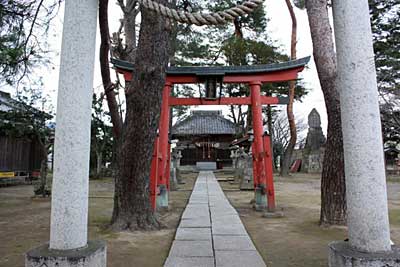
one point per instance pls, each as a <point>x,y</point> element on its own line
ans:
<point>243,42</point>
<point>21,48</point>
<point>385,20</point>
<point>333,188</point>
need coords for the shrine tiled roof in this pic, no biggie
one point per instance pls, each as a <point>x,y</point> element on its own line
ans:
<point>204,122</point>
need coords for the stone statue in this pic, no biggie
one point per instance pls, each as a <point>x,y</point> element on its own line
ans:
<point>176,156</point>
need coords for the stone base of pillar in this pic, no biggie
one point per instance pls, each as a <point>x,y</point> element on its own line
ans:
<point>273,214</point>
<point>342,255</point>
<point>173,186</point>
<point>162,198</point>
<point>260,200</point>
<point>94,255</point>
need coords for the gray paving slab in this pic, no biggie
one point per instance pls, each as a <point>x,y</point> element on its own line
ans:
<point>200,189</point>
<point>222,210</point>
<point>195,222</point>
<point>197,206</point>
<point>196,248</point>
<point>199,194</point>
<point>194,213</point>
<point>199,198</point>
<point>225,219</point>
<point>193,234</point>
<point>190,262</point>
<point>218,200</point>
<point>230,229</point>
<point>198,201</point>
<point>235,259</point>
<point>237,243</point>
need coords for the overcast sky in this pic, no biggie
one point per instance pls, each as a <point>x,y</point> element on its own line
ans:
<point>279,28</point>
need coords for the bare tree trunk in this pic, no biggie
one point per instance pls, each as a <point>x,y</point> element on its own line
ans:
<point>43,177</point>
<point>271,133</point>
<point>132,209</point>
<point>41,190</point>
<point>287,157</point>
<point>333,188</point>
<point>130,14</point>
<point>116,119</point>
<point>99,163</point>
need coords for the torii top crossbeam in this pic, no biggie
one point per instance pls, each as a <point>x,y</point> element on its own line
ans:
<point>277,72</point>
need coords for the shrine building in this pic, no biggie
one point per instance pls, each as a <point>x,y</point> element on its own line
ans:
<point>205,136</point>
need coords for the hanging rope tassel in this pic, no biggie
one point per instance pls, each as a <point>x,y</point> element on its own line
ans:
<point>201,19</point>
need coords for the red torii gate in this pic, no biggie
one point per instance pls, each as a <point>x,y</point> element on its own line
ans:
<point>254,76</point>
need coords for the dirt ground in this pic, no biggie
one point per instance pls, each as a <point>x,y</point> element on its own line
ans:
<point>25,222</point>
<point>294,240</point>
<point>297,239</point>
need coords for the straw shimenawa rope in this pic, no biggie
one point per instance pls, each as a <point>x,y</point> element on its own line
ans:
<point>201,19</point>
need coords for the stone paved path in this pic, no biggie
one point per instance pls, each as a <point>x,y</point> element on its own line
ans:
<point>211,233</point>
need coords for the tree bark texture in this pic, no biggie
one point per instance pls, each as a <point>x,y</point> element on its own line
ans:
<point>287,157</point>
<point>333,188</point>
<point>132,209</point>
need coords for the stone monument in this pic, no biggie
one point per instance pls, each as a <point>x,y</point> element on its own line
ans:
<point>313,152</point>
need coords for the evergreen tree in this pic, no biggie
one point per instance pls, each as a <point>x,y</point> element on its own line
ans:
<point>333,187</point>
<point>385,22</point>
<point>23,24</point>
<point>244,42</point>
<point>102,141</point>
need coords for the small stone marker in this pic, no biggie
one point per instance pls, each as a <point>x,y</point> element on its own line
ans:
<point>247,182</point>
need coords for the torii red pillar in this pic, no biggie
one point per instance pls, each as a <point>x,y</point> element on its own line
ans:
<point>269,172</point>
<point>154,174</point>
<point>258,146</point>
<point>162,181</point>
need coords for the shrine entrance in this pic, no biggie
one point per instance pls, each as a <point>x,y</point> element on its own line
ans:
<point>213,78</point>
